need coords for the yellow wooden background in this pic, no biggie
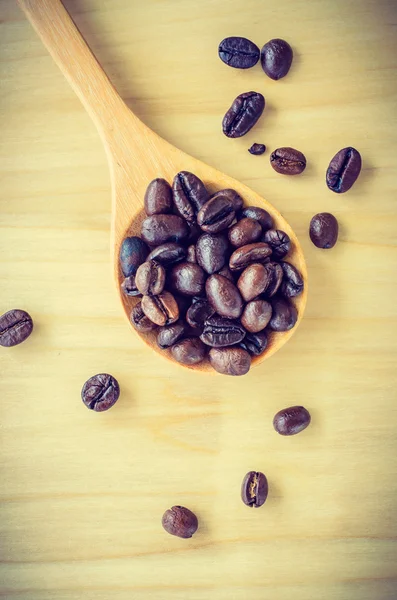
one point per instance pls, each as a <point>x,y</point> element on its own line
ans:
<point>82,494</point>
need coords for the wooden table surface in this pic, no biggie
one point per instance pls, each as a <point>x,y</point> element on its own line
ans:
<point>82,494</point>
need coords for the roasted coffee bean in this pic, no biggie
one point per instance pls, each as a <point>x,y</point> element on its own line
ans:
<point>254,489</point>
<point>276,58</point>
<point>256,315</point>
<point>343,170</point>
<point>253,281</point>
<point>324,230</point>
<point>158,197</point>
<point>246,231</point>
<point>188,278</point>
<point>238,52</point>
<point>230,360</point>
<point>168,254</point>
<point>189,351</point>
<point>15,327</point>
<point>212,252</point>
<point>284,314</point>
<point>217,214</point>
<point>255,343</point>
<point>129,287</point>
<point>189,195</point>
<point>199,312</point>
<point>162,309</point>
<point>150,278</point>
<point>180,521</point>
<point>251,253</point>
<point>219,332</point>
<point>288,161</point>
<point>278,241</point>
<point>133,252</point>
<point>275,279</point>
<point>233,196</point>
<point>257,149</point>
<point>292,420</point>
<point>160,229</point>
<point>100,392</point>
<point>224,297</point>
<point>140,321</point>
<point>243,114</point>
<point>191,254</point>
<point>259,214</point>
<point>170,334</point>
<point>292,284</point>
<point>226,272</point>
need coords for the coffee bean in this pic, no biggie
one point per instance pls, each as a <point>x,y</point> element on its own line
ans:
<point>140,321</point>
<point>217,214</point>
<point>284,314</point>
<point>230,360</point>
<point>150,278</point>
<point>189,195</point>
<point>259,214</point>
<point>170,334</point>
<point>288,161</point>
<point>212,252</point>
<point>292,284</point>
<point>224,297</point>
<point>324,230</point>
<point>292,420</point>
<point>233,196</point>
<point>219,332</point>
<point>15,327</point>
<point>133,252</point>
<point>191,254</point>
<point>100,392</point>
<point>238,52</point>
<point>188,278</point>
<point>275,279</point>
<point>180,521</point>
<point>255,343</point>
<point>189,351</point>
<point>246,231</point>
<point>226,272</point>
<point>276,58</point>
<point>162,309</point>
<point>257,149</point>
<point>243,114</point>
<point>253,281</point>
<point>278,241</point>
<point>160,229</point>
<point>158,197</point>
<point>343,170</point>
<point>129,287</point>
<point>251,253</point>
<point>256,315</point>
<point>199,312</point>
<point>254,489</point>
<point>168,254</point>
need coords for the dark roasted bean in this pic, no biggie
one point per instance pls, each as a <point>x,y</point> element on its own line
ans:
<point>244,256</point>
<point>170,334</point>
<point>246,231</point>
<point>238,52</point>
<point>292,420</point>
<point>150,278</point>
<point>129,287</point>
<point>180,521</point>
<point>189,195</point>
<point>100,392</point>
<point>276,58</point>
<point>212,252</point>
<point>275,279</point>
<point>140,321</point>
<point>188,278</point>
<point>158,197</point>
<point>259,214</point>
<point>233,196</point>
<point>292,284</point>
<point>278,241</point>
<point>160,229</point>
<point>243,114</point>
<point>199,312</point>
<point>257,149</point>
<point>217,214</point>
<point>219,332</point>
<point>162,309</point>
<point>255,343</point>
<point>230,360</point>
<point>133,252</point>
<point>191,254</point>
<point>168,254</point>
<point>256,315</point>
<point>284,314</point>
<point>288,161</point>
<point>324,230</point>
<point>253,281</point>
<point>15,327</point>
<point>254,489</point>
<point>343,170</point>
<point>189,351</point>
<point>224,296</point>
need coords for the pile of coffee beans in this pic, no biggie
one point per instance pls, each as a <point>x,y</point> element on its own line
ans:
<point>213,275</point>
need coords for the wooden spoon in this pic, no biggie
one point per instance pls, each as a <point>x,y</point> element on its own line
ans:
<point>136,154</point>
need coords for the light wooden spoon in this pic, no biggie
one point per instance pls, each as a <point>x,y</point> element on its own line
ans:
<point>136,154</point>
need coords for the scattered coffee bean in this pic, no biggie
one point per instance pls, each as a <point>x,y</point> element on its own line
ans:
<point>219,332</point>
<point>238,52</point>
<point>251,253</point>
<point>278,241</point>
<point>199,312</point>
<point>15,327</point>
<point>324,230</point>
<point>343,170</point>
<point>259,214</point>
<point>234,197</point>
<point>292,284</point>
<point>158,197</point>
<point>160,229</point>
<point>100,392</point>
<point>255,343</point>
<point>284,314</point>
<point>256,315</point>
<point>257,149</point>
<point>140,321</point>
<point>253,281</point>
<point>243,114</point>
<point>168,254</point>
<point>224,297</point>
<point>217,214</point>
<point>191,254</point>
<point>162,309</point>
<point>254,489</point>
<point>189,351</point>
<point>129,287</point>
<point>292,420</point>
<point>288,161</point>
<point>170,334</point>
<point>188,278</point>
<point>246,231</point>
<point>133,252</point>
<point>150,278</point>
<point>230,361</point>
<point>276,58</point>
<point>189,195</point>
<point>212,252</point>
<point>180,521</point>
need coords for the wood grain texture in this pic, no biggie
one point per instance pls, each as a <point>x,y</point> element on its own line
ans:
<point>83,494</point>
